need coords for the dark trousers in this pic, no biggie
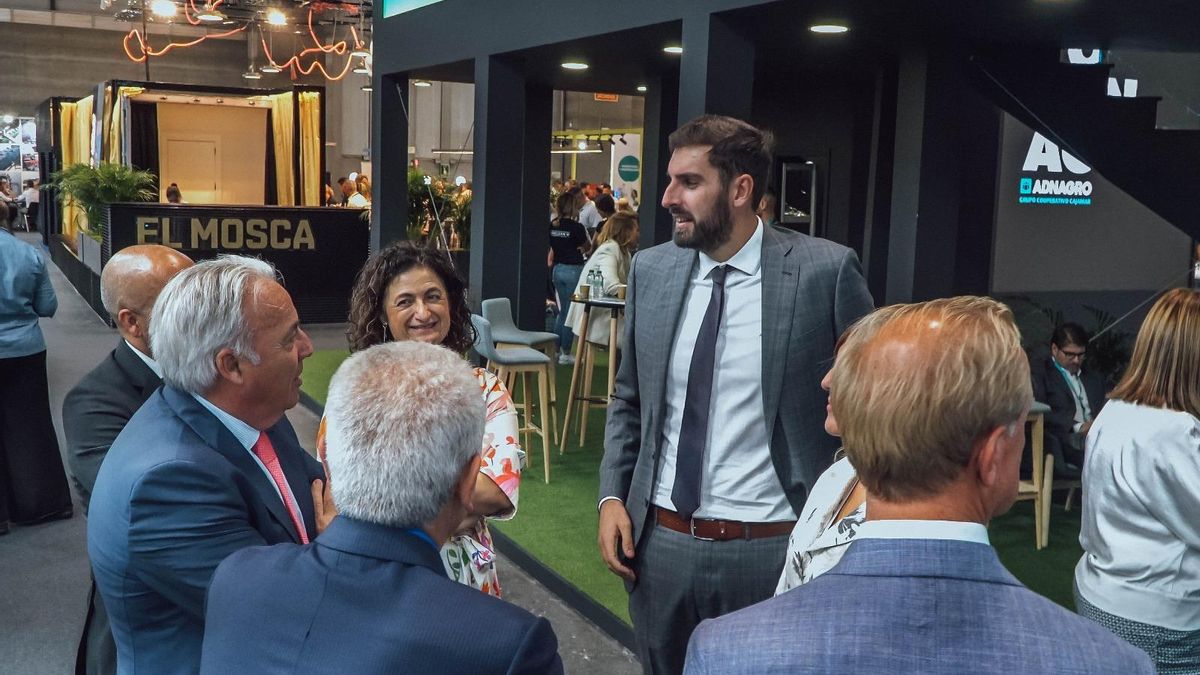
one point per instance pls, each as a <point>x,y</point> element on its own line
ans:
<point>681,581</point>
<point>33,484</point>
<point>97,652</point>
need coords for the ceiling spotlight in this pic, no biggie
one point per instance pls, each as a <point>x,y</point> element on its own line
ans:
<point>362,68</point>
<point>165,8</point>
<point>276,17</point>
<point>252,74</point>
<point>582,145</point>
<point>8,119</point>
<point>422,83</point>
<point>828,28</point>
<point>367,88</point>
<point>360,51</point>
<point>209,14</point>
<point>673,49</point>
<point>271,68</point>
<point>575,65</point>
<point>641,88</point>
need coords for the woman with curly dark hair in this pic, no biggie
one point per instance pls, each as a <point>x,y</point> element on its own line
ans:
<point>408,292</point>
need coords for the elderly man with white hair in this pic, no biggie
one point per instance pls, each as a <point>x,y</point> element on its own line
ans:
<point>208,465</point>
<point>404,422</point>
<point>931,401</point>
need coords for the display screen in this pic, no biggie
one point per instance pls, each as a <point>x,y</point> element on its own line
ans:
<point>394,7</point>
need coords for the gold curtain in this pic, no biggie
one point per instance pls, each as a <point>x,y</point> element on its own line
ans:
<point>75,122</point>
<point>284,129</point>
<point>310,147</point>
<point>115,140</point>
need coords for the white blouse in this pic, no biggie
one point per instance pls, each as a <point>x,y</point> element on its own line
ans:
<point>1141,516</point>
<point>817,544</point>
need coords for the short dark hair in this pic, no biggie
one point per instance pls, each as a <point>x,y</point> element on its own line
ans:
<point>341,180</point>
<point>1069,334</point>
<point>737,148</point>
<point>367,316</point>
<point>606,205</point>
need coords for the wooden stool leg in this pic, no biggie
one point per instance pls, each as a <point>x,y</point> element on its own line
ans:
<point>572,393</point>
<point>543,377</point>
<point>1047,492</point>
<point>526,404</point>
<point>589,365</point>
<point>1070,497</point>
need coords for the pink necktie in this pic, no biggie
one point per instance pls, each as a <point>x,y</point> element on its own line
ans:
<point>266,452</point>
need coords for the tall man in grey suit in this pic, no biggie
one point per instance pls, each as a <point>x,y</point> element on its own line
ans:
<point>100,405</point>
<point>715,431</point>
<point>931,400</point>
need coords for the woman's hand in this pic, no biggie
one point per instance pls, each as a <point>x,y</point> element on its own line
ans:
<point>490,500</point>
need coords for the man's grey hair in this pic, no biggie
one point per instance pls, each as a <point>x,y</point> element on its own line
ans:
<point>201,311</point>
<point>402,420</point>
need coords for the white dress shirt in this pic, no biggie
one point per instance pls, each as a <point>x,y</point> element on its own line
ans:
<point>150,363</point>
<point>952,530</point>
<point>247,436</point>
<point>1083,411</point>
<point>590,217</point>
<point>739,480</point>
<point>1141,530</point>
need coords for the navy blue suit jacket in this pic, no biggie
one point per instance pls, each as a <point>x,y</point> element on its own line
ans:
<point>363,599</point>
<point>175,495</point>
<point>911,606</point>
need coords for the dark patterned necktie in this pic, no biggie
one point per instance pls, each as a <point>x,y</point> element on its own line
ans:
<point>693,431</point>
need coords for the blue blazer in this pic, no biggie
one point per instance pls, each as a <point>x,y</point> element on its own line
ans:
<point>911,606</point>
<point>175,495</point>
<point>363,599</point>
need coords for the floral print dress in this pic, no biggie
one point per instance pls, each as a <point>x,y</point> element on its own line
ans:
<point>468,556</point>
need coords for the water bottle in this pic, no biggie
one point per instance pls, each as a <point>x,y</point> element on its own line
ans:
<point>591,282</point>
<point>599,289</point>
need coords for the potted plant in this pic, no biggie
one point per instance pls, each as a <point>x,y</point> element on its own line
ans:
<point>92,189</point>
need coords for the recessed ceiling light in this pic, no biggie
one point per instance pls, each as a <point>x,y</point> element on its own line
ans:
<point>575,65</point>
<point>673,49</point>
<point>422,83</point>
<point>210,15</point>
<point>252,74</point>
<point>582,145</point>
<point>163,8</point>
<point>360,52</point>
<point>367,88</point>
<point>828,28</point>
<point>276,17</point>
<point>8,119</point>
<point>271,68</point>
<point>641,87</point>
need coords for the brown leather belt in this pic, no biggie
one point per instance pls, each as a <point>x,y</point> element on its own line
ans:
<point>721,530</point>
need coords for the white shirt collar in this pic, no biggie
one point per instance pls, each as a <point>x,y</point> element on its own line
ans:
<point>747,260</point>
<point>150,363</point>
<point>244,433</point>
<point>924,529</point>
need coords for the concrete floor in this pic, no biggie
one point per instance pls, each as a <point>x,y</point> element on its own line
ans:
<point>43,569</point>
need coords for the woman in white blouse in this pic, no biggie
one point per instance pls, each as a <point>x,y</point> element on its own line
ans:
<point>836,506</point>
<point>616,240</point>
<point>1140,572</point>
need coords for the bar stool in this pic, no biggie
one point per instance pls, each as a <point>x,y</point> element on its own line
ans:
<point>506,334</point>
<point>585,353</point>
<point>507,364</point>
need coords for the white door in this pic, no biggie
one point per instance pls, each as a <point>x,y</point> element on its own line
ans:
<point>191,163</point>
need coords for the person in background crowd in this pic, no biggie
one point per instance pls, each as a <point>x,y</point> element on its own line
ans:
<point>615,244</point>
<point>363,185</point>
<point>589,215</point>
<point>568,245</point>
<point>931,403</point>
<point>101,404</point>
<point>605,206</point>
<point>1139,576</point>
<point>606,189</point>
<point>33,483</point>
<point>623,204</point>
<point>411,293</point>
<point>767,208</point>
<point>174,196</point>
<point>9,197</point>
<point>30,199</point>
<point>341,183</point>
<point>352,197</point>
<point>695,516</point>
<point>327,198</point>
<point>208,465</point>
<point>371,595</point>
<point>1075,396</point>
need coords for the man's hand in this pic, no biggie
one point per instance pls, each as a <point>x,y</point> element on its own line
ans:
<point>616,530</point>
<point>323,504</point>
<point>1087,426</point>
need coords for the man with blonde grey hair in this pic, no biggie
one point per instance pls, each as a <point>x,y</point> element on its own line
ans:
<point>404,422</point>
<point>101,404</point>
<point>931,402</point>
<point>208,465</point>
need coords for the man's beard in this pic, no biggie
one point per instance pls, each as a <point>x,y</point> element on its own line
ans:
<point>711,233</point>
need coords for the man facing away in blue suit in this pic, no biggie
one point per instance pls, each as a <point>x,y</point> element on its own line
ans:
<point>207,466</point>
<point>931,399</point>
<point>403,426</point>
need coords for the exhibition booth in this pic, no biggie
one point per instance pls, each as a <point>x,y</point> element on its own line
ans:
<point>247,165</point>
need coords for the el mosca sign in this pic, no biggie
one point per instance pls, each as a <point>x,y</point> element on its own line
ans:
<point>228,234</point>
<point>317,251</point>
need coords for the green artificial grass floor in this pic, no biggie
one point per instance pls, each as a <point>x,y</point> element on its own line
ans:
<point>556,523</point>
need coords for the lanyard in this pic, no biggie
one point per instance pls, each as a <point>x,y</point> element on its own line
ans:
<point>1079,394</point>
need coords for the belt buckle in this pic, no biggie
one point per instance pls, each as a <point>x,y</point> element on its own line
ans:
<point>692,527</point>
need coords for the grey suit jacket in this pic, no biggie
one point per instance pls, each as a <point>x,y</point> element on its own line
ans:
<point>813,290</point>
<point>911,606</point>
<point>98,408</point>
